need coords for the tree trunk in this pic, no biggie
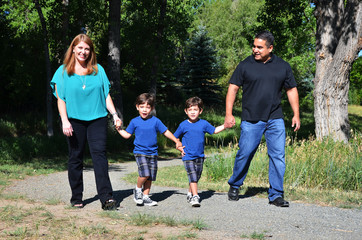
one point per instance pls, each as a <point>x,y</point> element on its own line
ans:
<point>49,95</point>
<point>114,55</point>
<point>160,30</point>
<point>338,41</point>
<point>65,26</point>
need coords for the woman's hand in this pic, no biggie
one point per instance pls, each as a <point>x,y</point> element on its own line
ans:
<point>117,121</point>
<point>67,128</point>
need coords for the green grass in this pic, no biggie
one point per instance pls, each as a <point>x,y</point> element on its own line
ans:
<point>315,170</point>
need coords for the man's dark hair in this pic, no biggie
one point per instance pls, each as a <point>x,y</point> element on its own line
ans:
<point>267,36</point>
<point>194,101</point>
<point>146,98</point>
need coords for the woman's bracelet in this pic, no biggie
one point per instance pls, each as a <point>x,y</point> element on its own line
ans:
<point>113,114</point>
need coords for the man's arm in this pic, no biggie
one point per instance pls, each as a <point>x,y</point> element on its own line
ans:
<point>230,99</point>
<point>293,98</point>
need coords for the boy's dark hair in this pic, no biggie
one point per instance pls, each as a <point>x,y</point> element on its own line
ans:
<point>194,101</point>
<point>267,36</point>
<point>146,98</point>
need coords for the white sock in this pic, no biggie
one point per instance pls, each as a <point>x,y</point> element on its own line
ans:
<point>138,189</point>
<point>189,194</point>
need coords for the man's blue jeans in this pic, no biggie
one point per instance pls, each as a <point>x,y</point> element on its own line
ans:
<point>250,137</point>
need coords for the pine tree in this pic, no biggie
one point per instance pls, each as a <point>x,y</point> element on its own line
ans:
<point>201,68</point>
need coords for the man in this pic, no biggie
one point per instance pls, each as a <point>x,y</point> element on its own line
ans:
<point>262,77</point>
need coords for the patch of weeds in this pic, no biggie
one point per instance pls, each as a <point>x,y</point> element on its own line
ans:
<point>12,196</point>
<point>53,201</point>
<point>69,207</point>
<point>19,233</point>
<point>138,238</point>
<point>199,224</point>
<point>48,215</point>
<point>255,235</point>
<point>111,214</point>
<point>188,235</point>
<point>158,236</point>
<point>13,214</point>
<point>168,221</point>
<point>97,229</point>
<point>140,219</point>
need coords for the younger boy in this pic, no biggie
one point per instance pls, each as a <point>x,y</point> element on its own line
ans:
<point>145,127</point>
<point>193,132</point>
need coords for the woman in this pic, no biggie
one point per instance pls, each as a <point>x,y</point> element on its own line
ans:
<point>82,90</point>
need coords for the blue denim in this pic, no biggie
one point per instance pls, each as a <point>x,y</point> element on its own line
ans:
<point>250,137</point>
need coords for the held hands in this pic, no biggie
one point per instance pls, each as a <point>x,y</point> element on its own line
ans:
<point>117,121</point>
<point>180,147</point>
<point>229,121</point>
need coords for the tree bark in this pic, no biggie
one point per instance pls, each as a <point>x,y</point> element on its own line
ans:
<point>114,55</point>
<point>338,41</point>
<point>49,96</point>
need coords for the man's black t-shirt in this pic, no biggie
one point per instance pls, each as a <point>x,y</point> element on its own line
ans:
<point>262,85</point>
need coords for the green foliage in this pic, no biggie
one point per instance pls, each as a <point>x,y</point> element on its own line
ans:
<point>140,22</point>
<point>311,164</point>
<point>231,25</point>
<point>355,90</point>
<point>201,68</point>
<point>293,26</point>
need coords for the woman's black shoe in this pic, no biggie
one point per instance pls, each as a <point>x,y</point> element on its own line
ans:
<point>109,205</point>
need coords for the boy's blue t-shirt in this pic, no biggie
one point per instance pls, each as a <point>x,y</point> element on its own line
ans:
<point>87,103</point>
<point>145,131</point>
<point>193,137</point>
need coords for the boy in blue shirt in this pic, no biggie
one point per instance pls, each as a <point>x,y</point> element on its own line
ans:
<point>192,131</point>
<point>145,127</point>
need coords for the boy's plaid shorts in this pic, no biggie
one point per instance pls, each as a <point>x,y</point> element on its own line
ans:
<point>147,166</point>
<point>194,169</point>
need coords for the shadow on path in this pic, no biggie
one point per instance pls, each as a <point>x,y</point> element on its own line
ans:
<point>253,191</point>
<point>119,196</point>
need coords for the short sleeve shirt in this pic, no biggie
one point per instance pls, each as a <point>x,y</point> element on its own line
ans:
<point>262,85</point>
<point>193,137</point>
<point>84,95</point>
<point>145,131</point>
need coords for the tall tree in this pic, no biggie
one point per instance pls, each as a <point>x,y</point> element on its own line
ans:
<point>114,55</point>
<point>49,95</point>
<point>201,68</point>
<point>338,42</point>
<point>231,24</point>
<point>158,39</point>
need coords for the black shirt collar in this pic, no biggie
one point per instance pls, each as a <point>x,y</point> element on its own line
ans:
<point>272,58</point>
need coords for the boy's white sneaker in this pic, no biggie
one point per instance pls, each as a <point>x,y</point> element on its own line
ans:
<point>138,197</point>
<point>148,201</point>
<point>195,201</point>
<point>188,197</point>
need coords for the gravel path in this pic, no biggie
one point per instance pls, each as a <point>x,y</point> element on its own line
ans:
<point>229,219</point>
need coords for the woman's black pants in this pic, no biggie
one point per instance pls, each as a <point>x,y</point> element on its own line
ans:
<point>95,132</point>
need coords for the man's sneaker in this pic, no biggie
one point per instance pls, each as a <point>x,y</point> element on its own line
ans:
<point>195,201</point>
<point>233,194</point>
<point>138,197</point>
<point>148,201</point>
<point>188,197</point>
